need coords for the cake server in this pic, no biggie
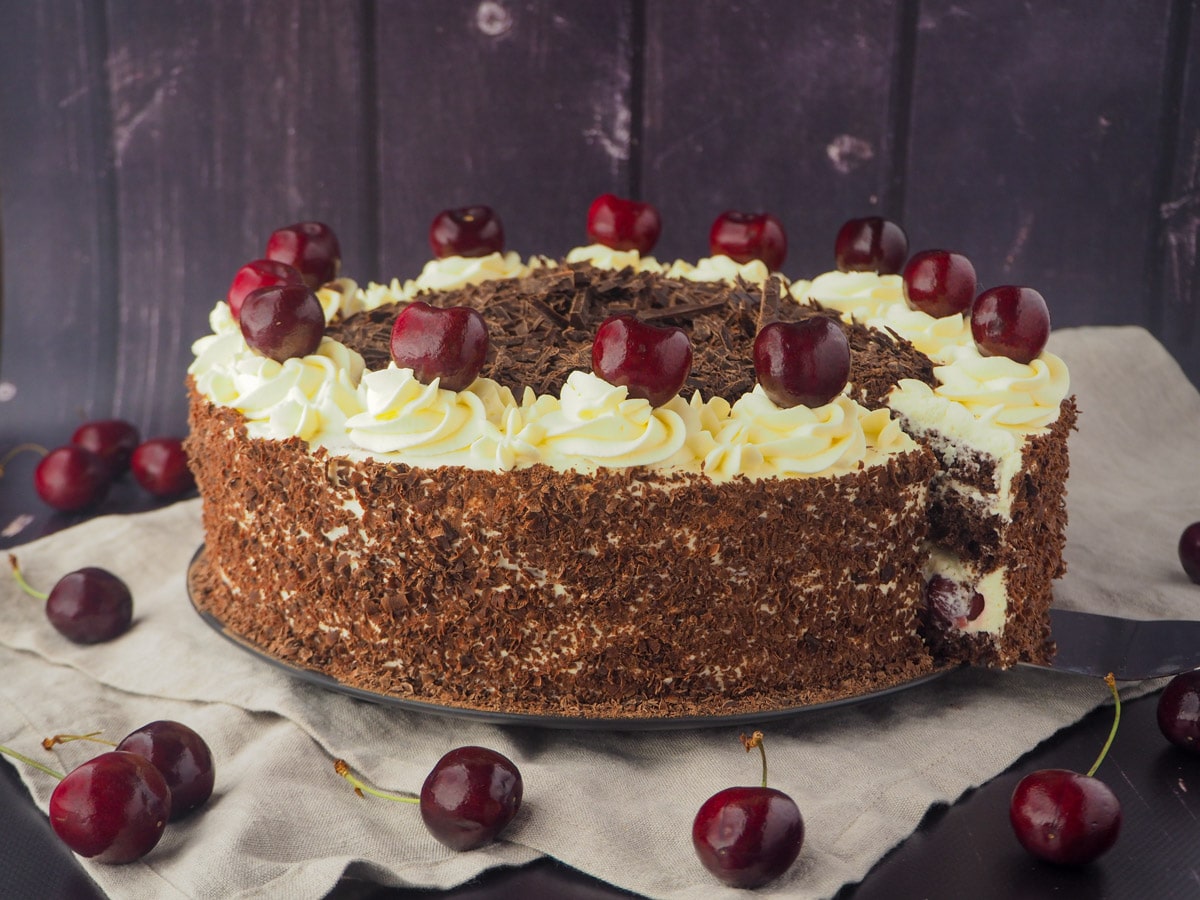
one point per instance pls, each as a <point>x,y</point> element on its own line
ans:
<point>1132,649</point>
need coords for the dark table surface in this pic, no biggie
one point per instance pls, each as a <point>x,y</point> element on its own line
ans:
<point>965,850</point>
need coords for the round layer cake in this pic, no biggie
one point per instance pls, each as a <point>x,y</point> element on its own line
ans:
<point>542,542</point>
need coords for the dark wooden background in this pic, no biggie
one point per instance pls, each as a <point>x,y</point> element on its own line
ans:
<point>147,148</point>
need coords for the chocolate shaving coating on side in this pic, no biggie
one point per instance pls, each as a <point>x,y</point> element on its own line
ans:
<point>541,329</point>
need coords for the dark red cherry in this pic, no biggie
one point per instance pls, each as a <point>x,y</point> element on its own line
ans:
<point>90,605</point>
<point>805,363</point>
<point>467,231</point>
<point>651,361</point>
<point>449,344</point>
<point>953,603</point>
<point>623,224</point>
<point>309,247</point>
<point>744,237</point>
<point>1010,321</point>
<point>748,836</point>
<point>113,440</point>
<point>1189,551</point>
<point>160,465</point>
<point>469,796</point>
<point>870,244</point>
<point>112,809</point>
<point>259,274</point>
<point>1064,817</point>
<point>181,757</point>
<point>1179,711</point>
<point>71,478</point>
<point>282,321</point>
<point>939,282</point>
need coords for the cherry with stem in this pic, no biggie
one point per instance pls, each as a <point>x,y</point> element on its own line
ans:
<point>87,606</point>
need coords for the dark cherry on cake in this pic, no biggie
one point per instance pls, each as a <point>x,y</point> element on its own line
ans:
<point>651,361</point>
<point>623,224</point>
<point>744,237</point>
<point>113,440</point>
<point>71,478</point>
<point>1189,551</point>
<point>1011,321</point>
<point>87,606</point>
<point>748,836</point>
<point>259,273</point>
<point>939,282</point>
<point>309,247</point>
<point>449,344</point>
<point>160,466</point>
<point>805,363</point>
<point>1179,711</point>
<point>469,231</point>
<point>1064,817</point>
<point>952,603</point>
<point>282,321</point>
<point>181,756</point>
<point>870,244</point>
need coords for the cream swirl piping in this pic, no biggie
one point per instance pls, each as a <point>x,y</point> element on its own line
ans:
<point>603,257</point>
<point>1004,392</point>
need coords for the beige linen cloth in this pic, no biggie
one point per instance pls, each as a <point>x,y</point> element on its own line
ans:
<point>618,805</point>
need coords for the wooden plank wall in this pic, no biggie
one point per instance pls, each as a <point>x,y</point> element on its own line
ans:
<point>147,147</point>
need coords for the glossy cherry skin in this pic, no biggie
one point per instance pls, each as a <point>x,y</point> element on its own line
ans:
<point>71,478</point>
<point>181,757</point>
<point>259,274</point>
<point>113,440</point>
<point>1064,817</point>
<point>470,796</point>
<point>449,344</point>
<point>1179,711</point>
<point>650,361</point>
<point>467,231</point>
<point>309,247</point>
<point>112,809</point>
<point>623,224</point>
<point>1189,551</point>
<point>870,244</point>
<point>744,237</point>
<point>939,282</point>
<point>90,605</point>
<point>282,321</point>
<point>1010,321</point>
<point>160,466</point>
<point>748,836</point>
<point>805,363</point>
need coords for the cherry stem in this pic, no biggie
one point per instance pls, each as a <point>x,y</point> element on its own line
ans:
<point>20,448</point>
<point>31,762</point>
<point>343,768</point>
<point>1112,686</point>
<point>25,585</point>
<point>50,742</point>
<point>756,740</point>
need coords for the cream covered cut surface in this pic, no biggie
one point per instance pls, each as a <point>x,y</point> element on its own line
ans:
<point>542,542</point>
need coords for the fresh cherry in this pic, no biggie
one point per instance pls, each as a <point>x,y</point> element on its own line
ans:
<point>113,808</point>
<point>1010,321</point>
<point>160,466</point>
<point>805,363</point>
<point>309,247</point>
<point>1064,817</point>
<point>282,321</point>
<point>259,274</point>
<point>939,282</point>
<point>651,361</point>
<point>748,836</point>
<point>1189,551</point>
<point>87,606</point>
<point>953,603</point>
<point>623,224</point>
<point>467,799</point>
<point>870,244</point>
<point>181,756</point>
<point>448,344</point>
<point>744,237</point>
<point>71,478</point>
<point>113,440</point>
<point>467,231</point>
<point>1179,711</point>
<point>469,796</point>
